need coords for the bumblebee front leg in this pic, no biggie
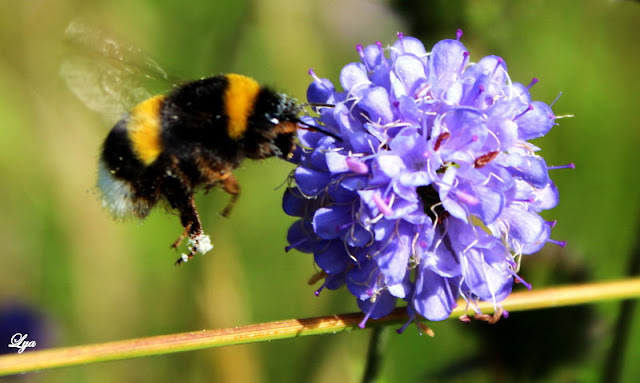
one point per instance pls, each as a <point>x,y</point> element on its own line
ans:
<point>230,185</point>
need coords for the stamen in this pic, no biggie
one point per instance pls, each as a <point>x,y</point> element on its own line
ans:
<point>556,99</point>
<point>465,56</point>
<point>368,314</point>
<point>405,325</point>
<point>319,290</point>
<point>313,74</point>
<point>459,34</point>
<point>360,50</point>
<point>499,61</point>
<point>344,226</point>
<point>520,280</point>
<point>423,91</point>
<point>533,82</point>
<point>567,166</point>
<point>384,61</point>
<point>294,245</point>
<point>559,243</point>
<point>318,80</point>
<point>525,111</point>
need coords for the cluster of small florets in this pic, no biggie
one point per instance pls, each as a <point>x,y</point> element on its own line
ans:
<point>433,191</point>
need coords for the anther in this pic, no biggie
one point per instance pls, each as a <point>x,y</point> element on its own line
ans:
<point>357,166</point>
<point>485,159</point>
<point>441,138</point>
<point>382,205</point>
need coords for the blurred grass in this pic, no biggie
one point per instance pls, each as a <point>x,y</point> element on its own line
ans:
<point>99,280</point>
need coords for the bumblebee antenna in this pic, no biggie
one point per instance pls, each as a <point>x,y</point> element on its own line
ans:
<point>313,128</point>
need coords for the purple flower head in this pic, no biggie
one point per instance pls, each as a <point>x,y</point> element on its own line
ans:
<point>433,191</point>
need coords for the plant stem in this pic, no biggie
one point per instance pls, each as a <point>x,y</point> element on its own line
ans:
<point>377,343</point>
<point>163,344</point>
<point>612,370</point>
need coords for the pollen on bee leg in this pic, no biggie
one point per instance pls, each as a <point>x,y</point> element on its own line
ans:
<point>199,243</point>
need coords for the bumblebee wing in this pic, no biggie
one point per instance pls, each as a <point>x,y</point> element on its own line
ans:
<point>107,75</point>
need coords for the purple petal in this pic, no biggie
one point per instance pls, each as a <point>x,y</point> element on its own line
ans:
<point>485,278</point>
<point>293,203</point>
<point>311,182</point>
<point>328,222</point>
<point>408,70</point>
<point>336,162</point>
<point>354,75</point>
<point>525,227</point>
<point>536,122</point>
<point>382,306</point>
<point>332,258</point>
<point>446,60</point>
<point>320,92</point>
<point>300,236</point>
<point>393,259</point>
<point>375,101</point>
<point>372,56</point>
<point>408,44</point>
<point>435,296</point>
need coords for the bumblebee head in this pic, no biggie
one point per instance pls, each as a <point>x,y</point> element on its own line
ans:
<point>272,125</point>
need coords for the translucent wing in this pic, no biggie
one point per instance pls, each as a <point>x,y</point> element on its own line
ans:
<point>107,75</point>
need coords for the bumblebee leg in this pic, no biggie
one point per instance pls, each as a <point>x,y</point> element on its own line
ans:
<point>198,241</point>
<point>176,188</point>
<point>230,185</point>
<point>181,238</point>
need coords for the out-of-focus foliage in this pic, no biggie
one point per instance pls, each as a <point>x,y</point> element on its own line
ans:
<point>98,280</point>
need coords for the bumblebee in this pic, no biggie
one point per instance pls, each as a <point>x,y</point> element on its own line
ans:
<point>167,147</point>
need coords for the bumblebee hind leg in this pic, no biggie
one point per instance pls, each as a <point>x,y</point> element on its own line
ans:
<point>198,241</point>
<point>230,185</point>
<point>180,196</point>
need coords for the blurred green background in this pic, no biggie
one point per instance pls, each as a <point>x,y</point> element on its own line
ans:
<point>96,280</point>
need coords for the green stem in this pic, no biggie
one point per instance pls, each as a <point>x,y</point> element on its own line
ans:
<point>378,340</point>
<point>612,371</point>
<point>163,344</point>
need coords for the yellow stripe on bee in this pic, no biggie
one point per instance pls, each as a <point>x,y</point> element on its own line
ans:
<point>239,98</point>
<point>144,128</point>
